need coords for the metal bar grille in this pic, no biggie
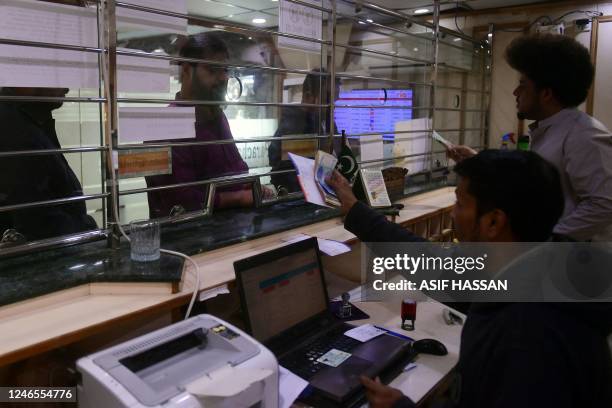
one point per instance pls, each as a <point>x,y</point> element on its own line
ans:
<point>108,98</point>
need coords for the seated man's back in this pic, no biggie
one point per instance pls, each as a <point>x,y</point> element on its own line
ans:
<point>510,352</point>
<point>38,178</point>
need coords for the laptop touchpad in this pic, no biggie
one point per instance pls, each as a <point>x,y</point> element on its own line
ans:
<point>339,381</point>
<point>381,350</point>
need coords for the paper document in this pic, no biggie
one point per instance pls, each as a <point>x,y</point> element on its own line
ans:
<point>334,357</point>
<point>375,188</point>
<point>305,171</point>
<point>325,164</point>
<point>289,387</point>
<point>327,246</point>
<point>214,292</point>
<point>160,123</point>
<point>415,142</point>
<point>438,138</point>
<point>364,332</point>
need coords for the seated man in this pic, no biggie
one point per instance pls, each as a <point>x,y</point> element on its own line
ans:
<point>202,82</point>
<point>512,354</point>
<point>25,179</point>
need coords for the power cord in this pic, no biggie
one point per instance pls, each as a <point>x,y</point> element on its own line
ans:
<point>456,13</point>
<point>115,206</point>
<point>590,13</point>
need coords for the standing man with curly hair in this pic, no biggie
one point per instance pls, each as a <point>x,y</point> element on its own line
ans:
<point>556,74</point>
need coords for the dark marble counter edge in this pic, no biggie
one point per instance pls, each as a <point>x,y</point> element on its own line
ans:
<point>44,272</point>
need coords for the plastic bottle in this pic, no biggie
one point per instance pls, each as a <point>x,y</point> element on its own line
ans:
<point>504,143</point>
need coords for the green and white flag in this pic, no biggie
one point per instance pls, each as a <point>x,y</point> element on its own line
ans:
<point>347,164</point>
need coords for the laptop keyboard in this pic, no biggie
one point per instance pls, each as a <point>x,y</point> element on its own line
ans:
<point>303,362</point>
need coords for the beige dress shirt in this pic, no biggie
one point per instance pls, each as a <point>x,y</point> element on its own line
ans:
<point>581,149</point>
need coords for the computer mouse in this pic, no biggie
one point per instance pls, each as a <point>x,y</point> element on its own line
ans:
<point>429,346</point>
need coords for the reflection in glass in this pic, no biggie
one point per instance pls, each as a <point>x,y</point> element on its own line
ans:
<point>202,82</point>
<point>33,178</point>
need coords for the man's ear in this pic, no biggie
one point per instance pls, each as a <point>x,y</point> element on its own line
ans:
<point>548,96</point>
<point>494,225</point>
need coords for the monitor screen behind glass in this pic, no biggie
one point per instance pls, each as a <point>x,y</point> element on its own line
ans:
<point>360,120</point>
<point>283,292</point>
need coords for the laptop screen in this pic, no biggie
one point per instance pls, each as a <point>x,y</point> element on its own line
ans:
<point>284,290</point>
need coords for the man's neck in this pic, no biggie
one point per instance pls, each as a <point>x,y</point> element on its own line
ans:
<point>204,113</point>
<point>548,112</point>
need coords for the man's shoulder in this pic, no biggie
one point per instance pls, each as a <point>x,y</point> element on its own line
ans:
<point>585,123</point>
<point>18,132</point>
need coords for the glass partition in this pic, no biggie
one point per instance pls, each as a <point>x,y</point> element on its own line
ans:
<point>184,108</point>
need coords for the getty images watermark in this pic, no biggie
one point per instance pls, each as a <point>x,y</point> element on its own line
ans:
<point>406,264</point>
<point>485,272</point>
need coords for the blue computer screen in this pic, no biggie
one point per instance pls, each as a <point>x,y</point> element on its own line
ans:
<point>371,120</point>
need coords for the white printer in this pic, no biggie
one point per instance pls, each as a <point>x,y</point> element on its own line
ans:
<point>199,362</point>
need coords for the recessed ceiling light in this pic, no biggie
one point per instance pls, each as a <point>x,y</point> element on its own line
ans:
<point>415,49</point>
<point>421,11</point>
<point>230,16</point>
<point>259,20</point>
<point>490,35</point>
<point>457,39</point>
<point>361,22</point>
<point>369,20</point>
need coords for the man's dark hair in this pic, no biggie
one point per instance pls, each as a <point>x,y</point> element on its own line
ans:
<point>523,185</point>
<point>556,62</point>
<point>204,45</point>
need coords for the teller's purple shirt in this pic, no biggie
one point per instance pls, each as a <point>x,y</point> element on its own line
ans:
<point>194,163</point>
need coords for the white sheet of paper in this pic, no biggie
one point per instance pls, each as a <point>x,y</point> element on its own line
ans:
<point>375,188</point>
<point>289,387</point>
<point>139,74</point>
<point>438,138</point>
<point>214,292</point>
<point>371,148</point>
<point>364,332</point>
<point>43,67</point>
<point>305,170</point>
<point>149,124</point>
<point>135,19</point>
<point>327,246</point>
<point>413,143</point>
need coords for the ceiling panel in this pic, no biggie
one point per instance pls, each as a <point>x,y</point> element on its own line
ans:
<point>212,9</point>
<point>247,18</point>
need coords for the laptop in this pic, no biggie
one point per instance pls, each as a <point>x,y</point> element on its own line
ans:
<point>286,306</point>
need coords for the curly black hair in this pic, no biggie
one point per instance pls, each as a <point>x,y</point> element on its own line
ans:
<point>556,62</point>
<point>522,184</point>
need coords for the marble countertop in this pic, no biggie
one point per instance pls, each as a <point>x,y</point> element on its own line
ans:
<point>48,271</point>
